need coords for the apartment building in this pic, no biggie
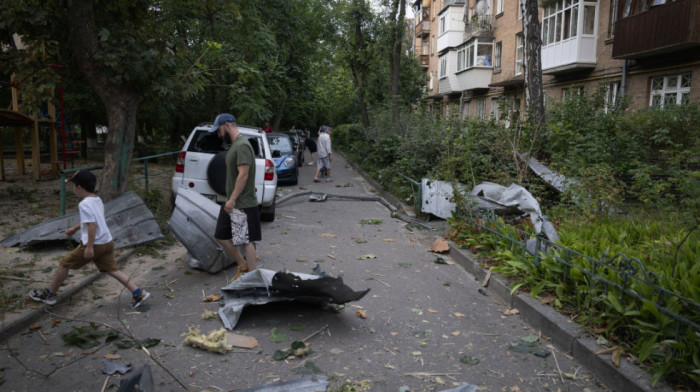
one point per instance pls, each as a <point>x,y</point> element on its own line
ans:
<point>472,52</point>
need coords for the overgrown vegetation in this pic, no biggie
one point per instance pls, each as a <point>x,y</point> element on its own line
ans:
<point>634,190</point>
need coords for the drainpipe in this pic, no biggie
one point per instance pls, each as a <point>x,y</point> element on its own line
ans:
<point>624,78</point>
<point>461,97</point>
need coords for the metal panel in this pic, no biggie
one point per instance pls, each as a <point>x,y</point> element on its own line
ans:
<point>193,223</point>
<point>129,220</point>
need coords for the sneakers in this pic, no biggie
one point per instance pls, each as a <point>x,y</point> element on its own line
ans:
<point>44,296</point>
<point>138,299</point>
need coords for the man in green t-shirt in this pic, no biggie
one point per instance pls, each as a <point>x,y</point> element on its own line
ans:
<point>239,218</point>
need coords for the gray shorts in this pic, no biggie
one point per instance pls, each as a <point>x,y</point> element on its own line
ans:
<point>323,162</point>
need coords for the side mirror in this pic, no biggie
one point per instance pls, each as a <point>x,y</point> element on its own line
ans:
<point>276,153</point>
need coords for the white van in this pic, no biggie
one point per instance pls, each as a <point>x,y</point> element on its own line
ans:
<point>200,167</point>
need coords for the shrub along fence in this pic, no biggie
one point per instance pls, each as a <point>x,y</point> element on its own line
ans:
<point>616,296</point>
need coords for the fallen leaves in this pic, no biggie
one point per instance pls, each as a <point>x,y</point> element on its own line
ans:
<point>439,246</point>
<point>511,311</point>
<point>458,315</point>
<point>212,298</point>
<point>328,235</point>
<point>361,314</point>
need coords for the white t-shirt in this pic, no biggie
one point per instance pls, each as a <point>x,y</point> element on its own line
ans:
<point>92,210</point>
<point>324,145</point>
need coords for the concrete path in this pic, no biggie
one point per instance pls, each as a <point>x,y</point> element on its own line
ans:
<point>423,326</point>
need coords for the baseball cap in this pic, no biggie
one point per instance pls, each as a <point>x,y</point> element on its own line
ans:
<point>325,128</point>
<point>222,119</point>
<point>83,179</point>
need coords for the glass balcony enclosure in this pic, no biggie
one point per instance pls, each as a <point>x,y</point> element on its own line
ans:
<point>569,35</point>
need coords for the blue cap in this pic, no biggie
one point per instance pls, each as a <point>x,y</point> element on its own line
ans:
<point>222,119</point>
<point>325,128</point>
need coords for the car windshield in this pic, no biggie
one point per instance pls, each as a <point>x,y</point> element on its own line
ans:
<point>204,141</point>
<point>280,143</point>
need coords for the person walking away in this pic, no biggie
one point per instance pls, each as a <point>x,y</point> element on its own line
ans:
<point>96,244</point>
<point>311,145</point>
<point>238,223</point>
<point>324,155</point>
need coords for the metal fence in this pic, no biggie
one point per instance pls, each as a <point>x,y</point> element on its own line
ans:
<point>145,177</point>
<point>617,273</point>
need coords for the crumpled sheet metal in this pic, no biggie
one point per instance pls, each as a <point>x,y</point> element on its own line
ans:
<point>313,383</point>
<point>129,220</point>
<point>193,222</point>
<point>264,286</point>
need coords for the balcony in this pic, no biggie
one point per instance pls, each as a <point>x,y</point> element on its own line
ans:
<point>424,60</point>
<point>662,29</point>
<point>478,26</point>
<point>569,55</point>
<point>475,78</point>
<point>447,3</point>
<point>422,28</point>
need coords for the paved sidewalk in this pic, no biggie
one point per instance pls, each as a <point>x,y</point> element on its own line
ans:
<point>424,324</point>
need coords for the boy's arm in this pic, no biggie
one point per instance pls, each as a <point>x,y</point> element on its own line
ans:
<point>72,230</point>
<point>89,249</point>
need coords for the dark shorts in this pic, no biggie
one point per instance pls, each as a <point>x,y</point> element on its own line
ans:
<point>224,228</point>
<point>104,258</point>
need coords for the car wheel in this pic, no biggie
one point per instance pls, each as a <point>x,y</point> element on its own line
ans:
<point>216,173</point>
<point>267,214</point>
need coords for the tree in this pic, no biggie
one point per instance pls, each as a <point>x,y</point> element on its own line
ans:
<point>532,30</point>
<point>398,33</point>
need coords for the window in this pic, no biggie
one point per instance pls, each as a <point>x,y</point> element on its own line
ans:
<point>497,56</point>
<point>442,26</point>
<point>481,109</point>
<point>612,90</point>
<point>560,21</point>
<point>495,108</point>
<point>477,53</point>
<point>569,93</point>
<point>589,19</point>
<point>443,67</point>
<point>670,90</point>
<point>520,9</point>
<point>465,108</point>
<point>518,54</point>
<point>499,7</point>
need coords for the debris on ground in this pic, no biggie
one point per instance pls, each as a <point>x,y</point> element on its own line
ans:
<point>298,349</point>
<point>140,381</point>
<point>529,345</point>
<point>215,341</point>
<point>313,383</point>
<point>241,341</point>
<point>264,286</point>
<point>439,246</point>
<point>110,366</point>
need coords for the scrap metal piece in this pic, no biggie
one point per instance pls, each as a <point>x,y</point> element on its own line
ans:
<point>129,220</point>
<point>264,286</point>
<point>318,197</point>
<point>463,387</point>
<point>313,383</point>
<point>193,222</point>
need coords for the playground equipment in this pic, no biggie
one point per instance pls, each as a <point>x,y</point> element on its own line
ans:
<point>41,121</point>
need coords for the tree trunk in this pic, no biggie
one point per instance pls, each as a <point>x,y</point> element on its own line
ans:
<point>398,6</point>
<point>121,100</point>
<point>88,133</point>
<point>358,64</point>
<point>534,97</point>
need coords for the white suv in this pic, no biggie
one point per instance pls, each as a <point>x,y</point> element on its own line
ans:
<point>200,167</point>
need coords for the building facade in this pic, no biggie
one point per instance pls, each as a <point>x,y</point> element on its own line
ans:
<point>472,52</point>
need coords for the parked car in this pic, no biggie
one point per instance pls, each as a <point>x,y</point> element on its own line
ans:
<point>201,167</point>
<point>285,158</point>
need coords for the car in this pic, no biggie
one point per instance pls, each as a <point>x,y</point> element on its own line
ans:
<point>200,166</point>
<point>285,158</point>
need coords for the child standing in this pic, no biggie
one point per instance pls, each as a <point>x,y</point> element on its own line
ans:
<point>96,244</point>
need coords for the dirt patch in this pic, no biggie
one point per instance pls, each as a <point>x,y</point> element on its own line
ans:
<point>27,203</point>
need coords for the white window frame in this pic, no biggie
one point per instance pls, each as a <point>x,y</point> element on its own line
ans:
<point>481,109</point>
<point>495,108</point>
<point>442,24</point>
<point>468,55</point>
<point>520,9</point>
<point>519,50</point>
<point>497,53</point>
<point>461,58</point>
<point>560,21</point>
<point>663,89</point>
<point>499,6</point>
<point>612,95</point>
<point>443,67</point>
<point>568,92</point>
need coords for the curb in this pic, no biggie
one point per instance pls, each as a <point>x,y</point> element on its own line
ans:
<point>21,323</point>
<point>565,333</point>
